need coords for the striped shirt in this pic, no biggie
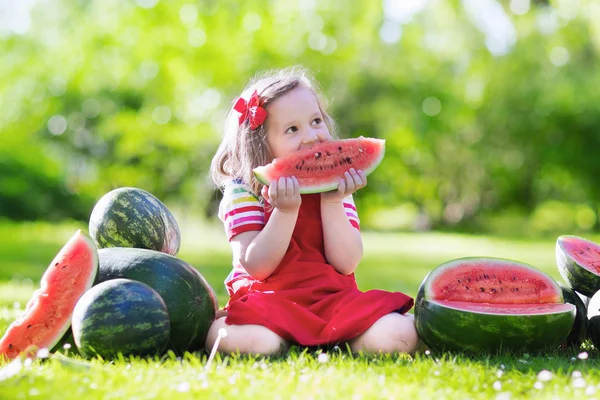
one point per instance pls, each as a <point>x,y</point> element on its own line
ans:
<point>241,210</point>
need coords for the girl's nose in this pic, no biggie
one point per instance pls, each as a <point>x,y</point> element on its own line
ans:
<point>310,136</point>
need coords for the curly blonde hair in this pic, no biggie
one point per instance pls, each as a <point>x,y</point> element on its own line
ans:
<point>242,149</point>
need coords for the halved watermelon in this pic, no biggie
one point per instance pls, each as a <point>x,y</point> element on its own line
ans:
<point>47,315</point>
<point>578,262</point>
<point>487,304</point>
<point>319,168</point>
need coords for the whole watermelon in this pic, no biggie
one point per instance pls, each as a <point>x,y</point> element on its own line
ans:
<point>121,316</point>
<point>132,217</point>
<point>190,300</point>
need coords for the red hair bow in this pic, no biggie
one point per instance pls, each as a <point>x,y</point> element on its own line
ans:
<point>251,110</point>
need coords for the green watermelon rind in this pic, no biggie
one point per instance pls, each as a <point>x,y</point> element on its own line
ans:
<point>451,329</point>
<point>577,276</point>
<point>491,260</point>
<point>578,333</point>
<point>190,300</point>
<point>261,173</point>
<point>121,316</point>
<point>132,217</point>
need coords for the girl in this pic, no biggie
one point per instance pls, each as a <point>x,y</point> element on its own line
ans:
<point>294,255</point>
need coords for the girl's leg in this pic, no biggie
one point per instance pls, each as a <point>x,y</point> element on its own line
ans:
<point>249,339</point>
<point>389,334</point>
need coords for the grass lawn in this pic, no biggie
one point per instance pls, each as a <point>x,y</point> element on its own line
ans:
<point>391,262</point>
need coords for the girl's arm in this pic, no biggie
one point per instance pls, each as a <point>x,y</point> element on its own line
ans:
<point>343,242</point>
<point>260,252</point>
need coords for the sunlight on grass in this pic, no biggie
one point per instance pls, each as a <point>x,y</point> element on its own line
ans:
<point>309,374</point>
<point>392,261</point>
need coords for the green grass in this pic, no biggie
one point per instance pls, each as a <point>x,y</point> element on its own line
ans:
<point>391,262</point>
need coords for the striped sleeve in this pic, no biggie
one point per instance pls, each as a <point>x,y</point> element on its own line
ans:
<point>240,209</point>
<point>351,212</point>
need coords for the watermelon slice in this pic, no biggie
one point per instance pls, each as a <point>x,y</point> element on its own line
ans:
<point>319,168</point>
<point>47,315</point>
<point>487,304</point>
<point>578,262</point>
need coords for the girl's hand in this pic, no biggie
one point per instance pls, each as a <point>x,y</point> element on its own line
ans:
<point>352,181</point>
<point>283,194</point>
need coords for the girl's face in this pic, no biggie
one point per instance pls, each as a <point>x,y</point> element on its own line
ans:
<point>295,122</point>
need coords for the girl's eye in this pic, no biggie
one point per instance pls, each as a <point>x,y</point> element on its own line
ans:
<point>291,129</point>
<point>317,121</point>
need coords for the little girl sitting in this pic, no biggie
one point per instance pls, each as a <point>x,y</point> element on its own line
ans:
<point>294,255</point>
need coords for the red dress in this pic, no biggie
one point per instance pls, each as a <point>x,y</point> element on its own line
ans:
<point>306,300</point>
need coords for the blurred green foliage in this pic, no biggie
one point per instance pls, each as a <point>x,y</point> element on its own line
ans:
<point>490,109</point>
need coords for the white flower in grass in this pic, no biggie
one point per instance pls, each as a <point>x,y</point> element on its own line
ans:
<point>183,387</point>
<point>590,390</point>
<point>538,385</point>
<point>579,383</point>
<point>503,396</point>
<point>544,375</point>
<point>576,374</point>
<point>323,358</point>
<point>583,356</point>
<point>67,346</point>
<point>43,353</point>
<point>11,369</point>
<point>499,373</point>
<point>497,385</point>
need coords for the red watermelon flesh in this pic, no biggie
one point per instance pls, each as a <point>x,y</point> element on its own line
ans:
<point>493,281</point>
<point>47,315</point>
<point>319,168</point>
<point>584,252</point>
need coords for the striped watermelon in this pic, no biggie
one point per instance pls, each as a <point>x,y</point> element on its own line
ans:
<point>131,217</point>
<point>320,168</point>
<point>121,316</point>
<point>190,300</point>
<point>578,262</point>
<point>578,333</point>
<point>489,304</point>
<point>48,313</point>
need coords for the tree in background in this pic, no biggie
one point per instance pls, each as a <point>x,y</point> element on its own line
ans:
<point>488,107</point>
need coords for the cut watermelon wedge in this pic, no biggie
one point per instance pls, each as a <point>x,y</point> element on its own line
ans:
<point>320,168</point>
<point>47,315</point>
